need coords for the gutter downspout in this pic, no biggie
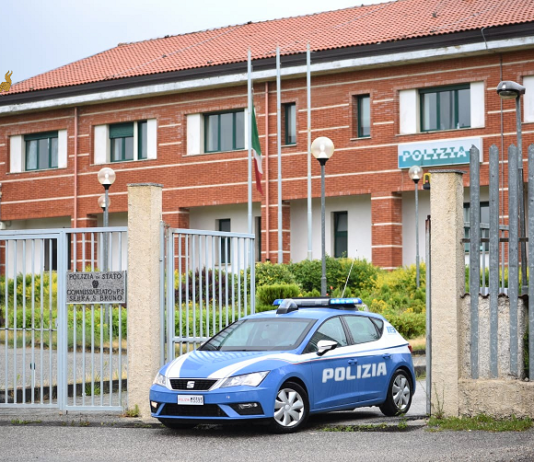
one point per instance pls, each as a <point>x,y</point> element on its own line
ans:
<point>267,202</point>
<point>75,214</point>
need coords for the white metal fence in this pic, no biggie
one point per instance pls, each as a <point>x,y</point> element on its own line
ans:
<point>210,282</point>
<point>60,355</point>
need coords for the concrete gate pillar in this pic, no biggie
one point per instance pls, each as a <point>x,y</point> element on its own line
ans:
<point>447,286</point>
<point>144,329</point>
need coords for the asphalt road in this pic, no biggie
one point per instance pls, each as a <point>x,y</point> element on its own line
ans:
<point>233,444</point>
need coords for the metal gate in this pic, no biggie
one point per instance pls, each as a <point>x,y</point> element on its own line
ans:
<point>59,355</point>
<point>210,283</point>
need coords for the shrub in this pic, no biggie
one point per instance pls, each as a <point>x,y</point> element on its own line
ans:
<point>267,294</point>
<point>206,282</point>
<point>268,273</point>
<point>408,324</point>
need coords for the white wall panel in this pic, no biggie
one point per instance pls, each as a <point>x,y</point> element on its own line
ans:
<point>409,110</point>
<point>16,154</point>
<point>62,153</point>
<point>528,98</point>
<point>359,226</point>
<point>101,144</point>
<point>478,104</point>
<point>152,138</point>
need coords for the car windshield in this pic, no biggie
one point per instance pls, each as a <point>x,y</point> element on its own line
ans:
<point>267,334</point>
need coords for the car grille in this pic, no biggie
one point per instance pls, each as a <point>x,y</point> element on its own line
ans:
<point>207,410</point>
<point>199,384</point>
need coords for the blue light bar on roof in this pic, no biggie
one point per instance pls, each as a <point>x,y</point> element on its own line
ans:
<point>345,301</point>
<point>278,302</point>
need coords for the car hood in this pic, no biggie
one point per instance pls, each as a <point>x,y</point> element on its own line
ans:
<point>221,364</point>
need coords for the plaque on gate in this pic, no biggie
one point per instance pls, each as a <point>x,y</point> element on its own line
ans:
<point>96,287</point>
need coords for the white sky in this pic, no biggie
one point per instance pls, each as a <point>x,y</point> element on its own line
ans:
<point>40,35</point>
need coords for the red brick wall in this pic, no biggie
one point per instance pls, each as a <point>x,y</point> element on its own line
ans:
<point>192,181</point>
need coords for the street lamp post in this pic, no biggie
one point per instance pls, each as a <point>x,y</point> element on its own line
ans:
<point>106,177</point>
<point>512,90</point>
<point>416,173</point>
<point>322,149</point>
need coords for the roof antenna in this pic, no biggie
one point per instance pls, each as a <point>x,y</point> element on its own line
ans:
<point>347,281</point>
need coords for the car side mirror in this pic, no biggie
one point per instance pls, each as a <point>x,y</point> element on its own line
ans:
<point>325,345</point>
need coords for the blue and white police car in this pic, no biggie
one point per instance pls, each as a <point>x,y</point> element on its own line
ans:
<point>306,357</point>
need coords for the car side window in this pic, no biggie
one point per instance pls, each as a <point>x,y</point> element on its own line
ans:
<point>329,330</point>
<point>362,329</point>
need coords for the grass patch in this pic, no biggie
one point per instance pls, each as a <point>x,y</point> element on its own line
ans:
<point>481,422</point>
<point>418,344</point>
<point>135,412</point>
<point>25,422</point>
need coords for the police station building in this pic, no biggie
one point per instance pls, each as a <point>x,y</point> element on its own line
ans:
<point>409,82</point>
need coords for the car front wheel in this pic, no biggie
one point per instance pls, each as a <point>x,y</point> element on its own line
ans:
<point>290,408</point>
<point>399,397</point>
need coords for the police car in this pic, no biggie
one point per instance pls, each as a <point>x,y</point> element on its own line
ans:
<point>306,357</point>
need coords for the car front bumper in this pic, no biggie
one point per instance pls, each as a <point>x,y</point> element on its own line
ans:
<point>220,405</point>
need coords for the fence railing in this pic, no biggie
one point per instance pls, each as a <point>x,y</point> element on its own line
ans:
<point>210,282</point>
<point>498,255</point>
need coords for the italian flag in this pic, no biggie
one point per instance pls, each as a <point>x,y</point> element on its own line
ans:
<point>256,148</point>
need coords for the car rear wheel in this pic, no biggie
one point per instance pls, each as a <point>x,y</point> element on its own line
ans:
<point>291,408</point>
<point>170,423</point>
<point>399,397</point>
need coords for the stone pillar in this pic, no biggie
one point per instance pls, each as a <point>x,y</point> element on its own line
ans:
<point>447,284</point>
<point>144,303</point>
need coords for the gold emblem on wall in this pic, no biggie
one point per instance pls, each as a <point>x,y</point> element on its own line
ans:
<point>5,86</point>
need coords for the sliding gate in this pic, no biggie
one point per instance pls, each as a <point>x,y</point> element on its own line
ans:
<point>55,353</point>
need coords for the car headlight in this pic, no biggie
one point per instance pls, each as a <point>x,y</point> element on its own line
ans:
<point>160,380</point>
<point>251,380</point>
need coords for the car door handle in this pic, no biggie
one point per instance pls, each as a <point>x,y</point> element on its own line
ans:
<point>353,361</point>
<point>386,356</point>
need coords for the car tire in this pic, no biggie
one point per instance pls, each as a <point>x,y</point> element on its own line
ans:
<point>291,409</point>
<point>399,395</point>
<point>170,423</point>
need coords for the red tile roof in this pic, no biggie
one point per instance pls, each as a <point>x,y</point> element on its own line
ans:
<point>371,24</point>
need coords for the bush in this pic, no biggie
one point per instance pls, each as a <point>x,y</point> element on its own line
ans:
<point>268,273</point>
<point>267,294</point>
<point>408,324</point>
<point>206,282</point>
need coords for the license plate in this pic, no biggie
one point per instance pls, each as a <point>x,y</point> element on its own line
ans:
<point>191,400</point>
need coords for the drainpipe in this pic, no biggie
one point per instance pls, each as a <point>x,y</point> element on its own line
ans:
<point>267,202</point>
<point>75,214</point>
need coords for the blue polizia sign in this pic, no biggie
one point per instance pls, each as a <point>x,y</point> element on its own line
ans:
<point>437,153</point>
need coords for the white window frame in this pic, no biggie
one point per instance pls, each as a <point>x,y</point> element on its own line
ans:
<point>410,113</point>
<point>102,144</point>
<point>17,152</point>
<point>195,133</point>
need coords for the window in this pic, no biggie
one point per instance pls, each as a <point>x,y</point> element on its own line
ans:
<point>484,218</point>
<point>122,137</point>
<point>224,131</point>
<point>362,329</point>
<point>41,150</point>
<point>445,108</point>
<point>363,115</point>
<point>290,123</point>
<point>126,141</point>
<point>50,253</point>
<point>225,251</point>
<point>340,234</point>
<point>330,330</point>
<point>257,231</point>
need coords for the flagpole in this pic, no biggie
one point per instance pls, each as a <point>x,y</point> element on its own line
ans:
<point>308,86</point>
<point>249,140</point>
<point>279,142</point>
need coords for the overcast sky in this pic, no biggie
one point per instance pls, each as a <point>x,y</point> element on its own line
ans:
<point>37,35</point>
